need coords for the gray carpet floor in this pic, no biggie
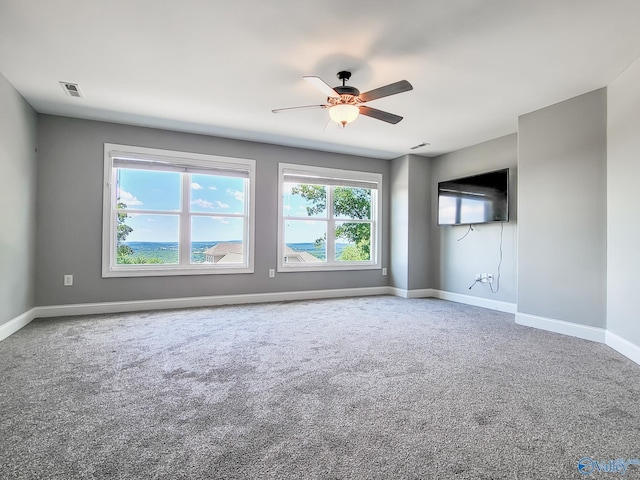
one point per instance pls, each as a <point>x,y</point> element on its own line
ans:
<point>373,387</point>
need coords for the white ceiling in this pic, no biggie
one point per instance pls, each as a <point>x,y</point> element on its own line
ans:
<point>220,67</point>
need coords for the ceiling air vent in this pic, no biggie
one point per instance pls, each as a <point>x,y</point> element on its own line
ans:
<point>71,89</point>
<point>423,144</point>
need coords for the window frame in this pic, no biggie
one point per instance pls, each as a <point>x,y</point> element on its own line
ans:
<point>335,177</point>
<point>186,162</point>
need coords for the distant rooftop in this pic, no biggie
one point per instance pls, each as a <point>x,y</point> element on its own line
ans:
<point>231,252</point>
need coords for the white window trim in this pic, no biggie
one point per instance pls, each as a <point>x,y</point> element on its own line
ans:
<point>194,160</point>
<point>339,177</point>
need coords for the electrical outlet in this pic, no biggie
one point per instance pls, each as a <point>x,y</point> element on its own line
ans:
<point>489,278</point>
<point>384,271</point>
<point>483,278</point>
<point>272,272</point>
<point>68,280</point>
<point>478,276</point>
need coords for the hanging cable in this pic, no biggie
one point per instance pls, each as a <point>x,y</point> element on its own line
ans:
<point>468,231</point>
<point>499,262</point>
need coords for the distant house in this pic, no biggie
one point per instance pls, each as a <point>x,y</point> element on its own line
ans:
<point>227,252</point>
<point>291,256</point>
<point>224,252</point>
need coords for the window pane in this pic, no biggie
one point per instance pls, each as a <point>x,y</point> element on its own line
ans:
<point>217,240</point>
<point>148,189</point>
<point>147,239</point>
<point>352,203</point>
<point>303,200</point>
<point>214,193</point>
<point>305,241</point>
<point>353,242</point>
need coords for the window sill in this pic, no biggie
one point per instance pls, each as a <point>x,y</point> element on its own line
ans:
<point>167,272</point>
<point>326,268</point>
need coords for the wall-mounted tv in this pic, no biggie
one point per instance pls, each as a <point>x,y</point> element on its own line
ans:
<point>480,198</point>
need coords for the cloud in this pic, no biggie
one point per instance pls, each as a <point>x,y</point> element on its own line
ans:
<point>221,205</point>
<point>128,199</point>
<point>224,221</point>
<point>203,203</point>
<point>287,207</point>
<point>213,187</point>
<point>196,186</point>
<point>238,195</point>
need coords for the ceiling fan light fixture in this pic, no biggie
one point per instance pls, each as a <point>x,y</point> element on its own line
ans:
<point>344,113</point>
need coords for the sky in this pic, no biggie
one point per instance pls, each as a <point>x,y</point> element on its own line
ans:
<point>157,191</point>
<point>301,231</point>
<point>161,192</point>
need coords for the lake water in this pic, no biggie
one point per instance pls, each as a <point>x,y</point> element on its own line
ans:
<point>168,251</point>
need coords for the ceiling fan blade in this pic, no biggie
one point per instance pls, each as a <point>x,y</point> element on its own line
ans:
<point>379,114</point>
<point>391,89</point>
<point>322,86</point>
<point>305,107</point>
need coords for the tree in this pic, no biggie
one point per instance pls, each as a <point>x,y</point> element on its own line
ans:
<point>123,230</point>
<point>125,252</point>
<point>348,202</point>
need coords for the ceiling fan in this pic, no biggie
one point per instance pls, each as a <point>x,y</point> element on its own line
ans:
<point>345,103</point>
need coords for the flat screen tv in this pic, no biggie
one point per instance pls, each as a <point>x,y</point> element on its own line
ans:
<point>482,198</point>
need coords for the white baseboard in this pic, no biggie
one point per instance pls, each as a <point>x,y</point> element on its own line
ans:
<point>398,292</point>
<point>476,301</point>
<point>625,347</point>
<point>594,334</point>
<point>15,324</point>
<point>455,297</point>
<point>421,293</point>
<point>209,301</point>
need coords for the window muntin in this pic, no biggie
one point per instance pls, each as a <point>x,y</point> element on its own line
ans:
<point>181,213</point>
<point>329,219</point>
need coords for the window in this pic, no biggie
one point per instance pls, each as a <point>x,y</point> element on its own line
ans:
<point>329,219</point>
<point>176,213</point>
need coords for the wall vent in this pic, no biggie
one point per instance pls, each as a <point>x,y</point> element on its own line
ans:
<point>71,89</point>
<point>423,144</point>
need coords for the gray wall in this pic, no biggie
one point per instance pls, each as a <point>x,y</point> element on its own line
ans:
<point>562,211</point>
<point>70,170</point>
<point>410,218</point>
<point>399,265</point>
<point>623,230</point>
<point>18,200</point>
<point>455,263</point>
<point>420,251</point>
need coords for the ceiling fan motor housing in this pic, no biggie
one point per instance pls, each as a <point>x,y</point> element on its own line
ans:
<point>346,90</point>
<point>348,95</point>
